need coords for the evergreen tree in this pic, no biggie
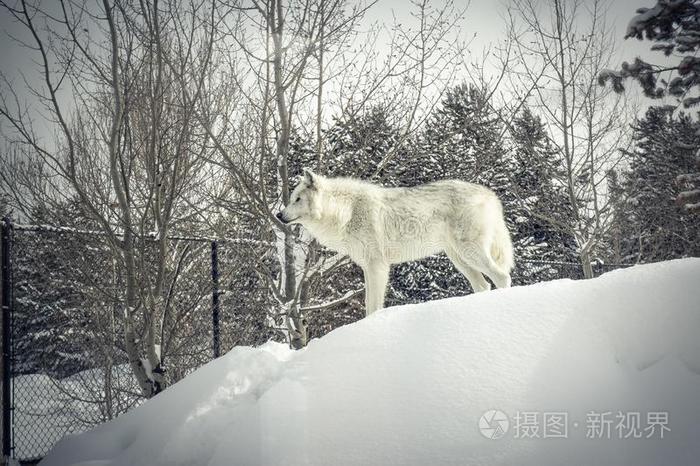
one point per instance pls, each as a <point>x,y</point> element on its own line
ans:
<point>655,227</point>
<point>621,225</point>
<point>536,168</point>
<point>674,28</point>
<point>463,140</point>
<point>60,302</point>
<point>301,154</point>
<point>357,144</point>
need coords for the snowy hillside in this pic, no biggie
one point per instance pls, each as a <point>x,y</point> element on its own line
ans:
<point>604,371</point>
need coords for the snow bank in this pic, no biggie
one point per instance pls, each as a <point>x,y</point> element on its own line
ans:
<point>410,384</point>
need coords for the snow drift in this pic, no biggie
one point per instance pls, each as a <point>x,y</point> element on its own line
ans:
<point>409,385</point>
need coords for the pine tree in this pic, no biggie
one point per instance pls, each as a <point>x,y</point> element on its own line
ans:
<point>302,154</point>
<point>674,28</point>
<point>463,140</point>
<point>59,289</point>
<point>535,171</point>
<point>356,145</point>
<point>655,228</point>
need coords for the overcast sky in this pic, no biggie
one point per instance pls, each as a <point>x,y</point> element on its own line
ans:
<point>484,23</point>
<point>484,19</point>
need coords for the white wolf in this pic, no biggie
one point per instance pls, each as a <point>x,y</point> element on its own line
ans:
<point>379,226</point>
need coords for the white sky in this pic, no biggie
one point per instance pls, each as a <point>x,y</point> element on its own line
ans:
<point>485,19</point>
<point>484,23</point>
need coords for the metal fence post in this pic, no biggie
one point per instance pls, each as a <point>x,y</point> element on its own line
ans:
<point>6,337</point>
<point>215,298</point>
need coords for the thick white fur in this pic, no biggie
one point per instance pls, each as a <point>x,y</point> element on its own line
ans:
<point>379,226</point>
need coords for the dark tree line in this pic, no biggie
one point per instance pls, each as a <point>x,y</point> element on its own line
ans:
<point>649,225</point>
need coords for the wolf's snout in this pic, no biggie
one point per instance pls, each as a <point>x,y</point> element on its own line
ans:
<point>280,217</point>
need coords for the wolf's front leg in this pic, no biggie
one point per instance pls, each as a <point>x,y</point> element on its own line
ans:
<point>376,277</point>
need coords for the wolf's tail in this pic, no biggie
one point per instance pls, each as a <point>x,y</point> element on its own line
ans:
<point>502,247</point>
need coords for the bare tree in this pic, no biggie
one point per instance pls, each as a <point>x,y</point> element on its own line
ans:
<point>571,43</point>
<point>128,144</point>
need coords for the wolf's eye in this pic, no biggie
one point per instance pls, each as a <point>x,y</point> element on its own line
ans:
<point>297,199</point>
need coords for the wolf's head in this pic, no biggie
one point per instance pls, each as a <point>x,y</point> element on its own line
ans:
<point>304,201</point>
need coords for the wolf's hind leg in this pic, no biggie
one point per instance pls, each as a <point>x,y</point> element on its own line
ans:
<point>475,278</point>
<point>486,265</point>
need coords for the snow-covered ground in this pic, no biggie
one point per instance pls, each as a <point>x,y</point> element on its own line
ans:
<point>603,371</point>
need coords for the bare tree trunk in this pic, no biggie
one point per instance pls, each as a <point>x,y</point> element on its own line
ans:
<point>319,97</point>
<point>276,22</point>
<point>128,253</point>
<point>586,264</point>
<point>563,86</point>
<point>161,206</point>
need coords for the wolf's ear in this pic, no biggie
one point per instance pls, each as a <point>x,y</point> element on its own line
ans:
<point>309,178</point>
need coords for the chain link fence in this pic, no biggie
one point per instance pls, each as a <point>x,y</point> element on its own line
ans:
<point>66,366</point>
<point>63,308</point>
